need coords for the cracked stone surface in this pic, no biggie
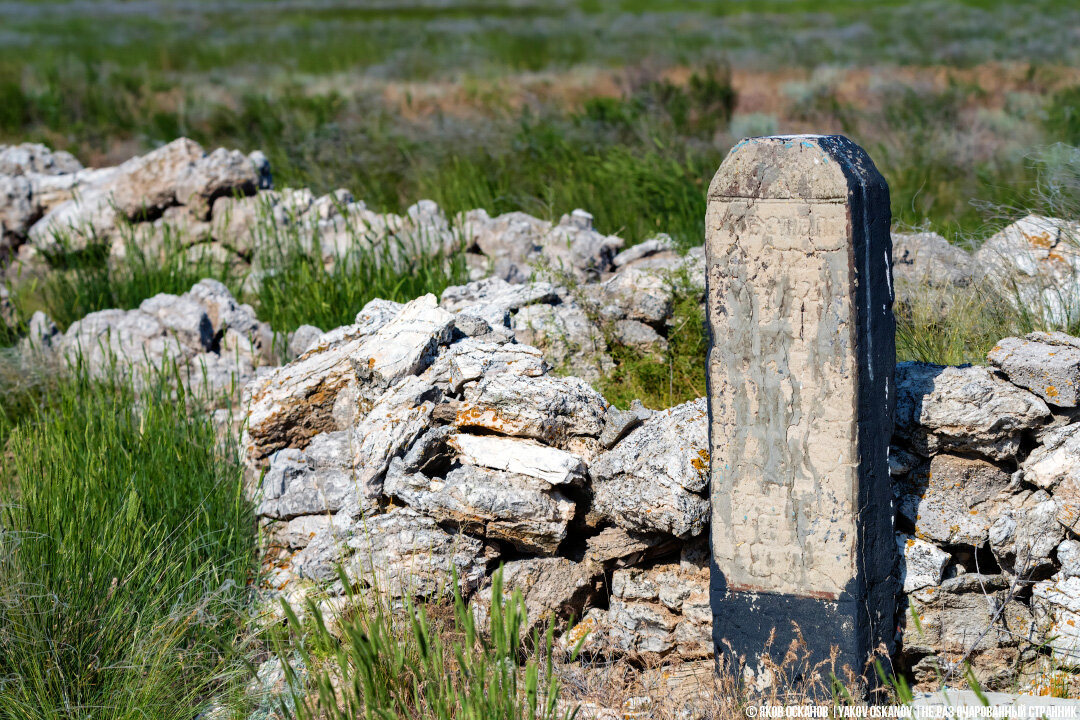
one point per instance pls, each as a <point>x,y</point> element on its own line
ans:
<point>654,478</point>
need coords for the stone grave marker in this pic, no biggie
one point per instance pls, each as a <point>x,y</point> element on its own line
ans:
<point>801,400</point>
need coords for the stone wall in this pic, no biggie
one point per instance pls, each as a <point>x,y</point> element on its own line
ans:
<point>436,435</point>
<point>463,450</point>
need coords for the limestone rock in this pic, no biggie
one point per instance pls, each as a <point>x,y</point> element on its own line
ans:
<point>635,294</point>
<point>398,417</point>
<point>493,299</point>
<point>41,331</point>
<point>1068,554</point>
<point>296,401</point>
<point>963,408</point>
<point>955,615</point>
<point>514,242</point>
<point>638,335</point>
<point>653,478</point>
<point>569,339</point>
<point>34,158</point>
<point>371,318</point>
<point>494,504</point>
<point>618,423</point>
<point>642,628</point>
<point>167,334</point>
<point>1056,605</point>
<point>953,500</point>
<point>553,589</point>
<point>405,554</point>
<point>550,409</point>
<point>182,317</point>
<point>292,404</point>
<point>122,337</point>
<point>314,481</point>
<point>653,612</point>
<point>303,338</point>
<point>300,531</point>
<point>322,554</point>
<point>1024,537</point>
<point>223,310</point>
<point>179,173</point>
<point>212,376</point>
<point>1037,261</point>
<point>922,564</point>
<point>405,345</point>
<point>507,241</point>
<point>1048,364</point>
<point>614,545</point>
<point>1056,460</point>
<point>18,209</point>
<point>660,244</point>
<point>8,315</point>
<point>926,258</point>
<point>574,246</point>
<point>515,455</point>
<point>471,359</point>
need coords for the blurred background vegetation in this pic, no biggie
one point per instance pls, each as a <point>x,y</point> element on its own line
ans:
<point>624,108</point>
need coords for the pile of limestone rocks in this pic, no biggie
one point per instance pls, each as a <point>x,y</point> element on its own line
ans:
<point>985,462</point>
<point>420,443</point>
<point>460,434</point>
<point>425,439</point>
<point>48,199</point>
<point>222,203</point>
<point>1033,264</point>
<point>219,205</point>
<point>213,344</point>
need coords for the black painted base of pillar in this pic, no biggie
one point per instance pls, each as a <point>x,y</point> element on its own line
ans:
<point>744,622</point>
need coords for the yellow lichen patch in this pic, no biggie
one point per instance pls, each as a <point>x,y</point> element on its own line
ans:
<point>583,628</point>
<point>1042,240</point>
<point>1051,391</point>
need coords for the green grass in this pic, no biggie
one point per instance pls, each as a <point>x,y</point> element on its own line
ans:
<point>955,326</point>
<point>300,290</point>
<point>296,287</point>
<point>303,87</point>
<point>406,666</point>
<point>125,551</point>
<point>662,380</point>
<point>85,281</point>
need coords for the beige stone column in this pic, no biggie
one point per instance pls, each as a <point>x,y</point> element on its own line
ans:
<point>801,398</point>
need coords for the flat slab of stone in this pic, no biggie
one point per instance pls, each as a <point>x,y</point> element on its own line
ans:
<point>1047,364</point>
<point>970,409</point>
<point>801,398</point>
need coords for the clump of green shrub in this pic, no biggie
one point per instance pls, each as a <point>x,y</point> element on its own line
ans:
<point>669,378</point>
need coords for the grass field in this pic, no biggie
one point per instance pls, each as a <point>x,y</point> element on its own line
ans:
<point>547,106</point>
<point>126,549</point>
<point>125,542</point>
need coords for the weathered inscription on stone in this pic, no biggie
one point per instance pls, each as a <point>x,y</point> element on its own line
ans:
<point>800,392</point>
